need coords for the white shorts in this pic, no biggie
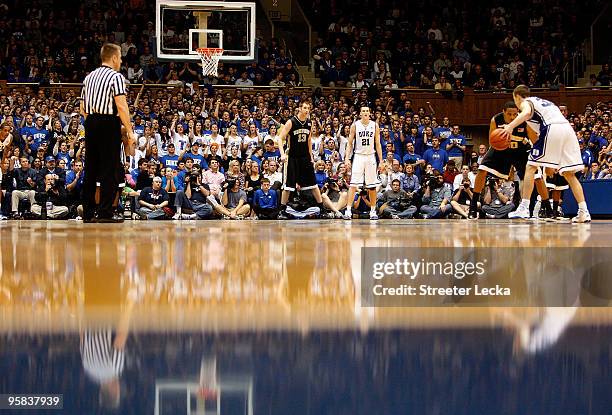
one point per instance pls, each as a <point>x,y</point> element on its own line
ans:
<point>557,148</point>
<point>364,170</point>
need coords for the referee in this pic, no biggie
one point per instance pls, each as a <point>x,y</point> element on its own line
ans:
<point>104,105</point>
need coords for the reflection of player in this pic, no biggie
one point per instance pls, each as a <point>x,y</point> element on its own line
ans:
<point>363,138</point>
<point>556,148</point>
<point>299,168</point>
<point>499,162</point>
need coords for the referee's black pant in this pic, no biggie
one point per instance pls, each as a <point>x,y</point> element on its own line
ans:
<point>102,161</point>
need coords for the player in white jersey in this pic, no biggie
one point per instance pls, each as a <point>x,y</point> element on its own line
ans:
<point>364,138</point>
<point>556,148</point>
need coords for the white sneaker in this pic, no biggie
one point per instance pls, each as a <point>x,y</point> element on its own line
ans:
<point>373,216</point>
<point>520,213</point>
<point>186,216</point>
<point>176,216</point>
<point>2,217</point>
<point>338,215</point>
<point>347,215</point>
<point>394,217</point>
<point>583,217</point>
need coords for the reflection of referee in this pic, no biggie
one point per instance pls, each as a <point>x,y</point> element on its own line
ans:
<point>104,104</point>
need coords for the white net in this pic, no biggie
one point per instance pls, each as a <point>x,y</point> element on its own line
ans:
<point>210,60</point>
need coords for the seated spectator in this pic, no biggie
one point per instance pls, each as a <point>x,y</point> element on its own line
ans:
<point>275,177</point>
<point>233,202</point>
<point>436,199</point>
<point>194,198</point>
<point>152,201</point>
<point>465,174</point>
<point>396,203</point>
<point>410,181</point>
<point>265,201</point>
<point>214,179</point>
<point>595,173</point>
<point>450,172</point>
<point>334,198</point>
<point>320,173</point>
<point>25,185</point>
<point>51,197</point>
<point>361,205</point>
<point>463,197</point>
<point>496,201</point>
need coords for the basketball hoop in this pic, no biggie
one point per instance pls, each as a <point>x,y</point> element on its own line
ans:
<point>210,60</point>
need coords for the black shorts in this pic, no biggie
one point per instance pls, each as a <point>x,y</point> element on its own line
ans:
<point>299,170</point>
<point>557,182</point>
<point>499,163</point>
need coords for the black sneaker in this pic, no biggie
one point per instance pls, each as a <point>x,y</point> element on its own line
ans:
<point>282,215</point>
<point>15,216</point>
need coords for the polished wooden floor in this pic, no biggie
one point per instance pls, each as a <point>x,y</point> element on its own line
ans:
<point>239,275</point>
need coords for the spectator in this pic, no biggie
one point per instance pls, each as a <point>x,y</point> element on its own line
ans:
<point>455,146</point>
<point>435,155</point>
<point>436,199</point>
<point>51,199</point>
<point>234,201</point>
<point>265,201</point>
<point>496,201</point>
<point>194,198</point>
<point>396,203</point>
<point>25,185</point>
<point>463,197</point>
<point>465,174</point>
<point>152,201</point>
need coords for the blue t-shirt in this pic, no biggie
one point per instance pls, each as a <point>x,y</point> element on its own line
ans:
<point>398,148</point>
<point>170,161</point>
<point>437,158</point>
<point>70,176</point>
<point>198,160</point>
<point>454,139</point>
<point>272,155</point>
<point>327,154</point>
<point>320,177</point>
<point>64,156</point>
<point>442,132</point>
<point>412,159</point>
<point>40,136</point>
<point>587,157</point>
<point>265,200</point>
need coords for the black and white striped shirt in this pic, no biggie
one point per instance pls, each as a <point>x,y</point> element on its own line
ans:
<point>100,88</point>
<point>101,361</point>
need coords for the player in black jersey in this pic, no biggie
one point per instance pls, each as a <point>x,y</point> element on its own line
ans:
<point>500,162</point>
<point>299,164</point>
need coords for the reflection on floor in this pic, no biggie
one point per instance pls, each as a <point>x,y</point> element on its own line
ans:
<point>256,317</point>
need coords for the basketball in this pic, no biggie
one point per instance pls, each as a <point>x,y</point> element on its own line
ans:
<point>498,141</point>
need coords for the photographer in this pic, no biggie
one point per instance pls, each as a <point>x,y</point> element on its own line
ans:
<point>193,198</point>
<point>50,199</point>
<point>436,198</point>
<point>361,205</point>
<point>496,204</point>
<point>462,198</point>
<point>334,199</point>
<point>233,202</point>
<point>396,203</point>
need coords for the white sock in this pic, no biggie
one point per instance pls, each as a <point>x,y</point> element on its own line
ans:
<point>583,206</point>
<point>178,211</point>
<point>524,204</point>
<point>373,209</point>
<point>348,209</point>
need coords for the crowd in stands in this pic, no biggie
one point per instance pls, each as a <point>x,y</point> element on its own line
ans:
<point>448,45</point>
<point>48,43</point>
<point>205,153</point>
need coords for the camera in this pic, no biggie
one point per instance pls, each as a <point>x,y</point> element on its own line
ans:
<point>434,183</point>
<point>492,183</point>
<point>230,184</point>
<point>363,192</point>
<point>466,185</point>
